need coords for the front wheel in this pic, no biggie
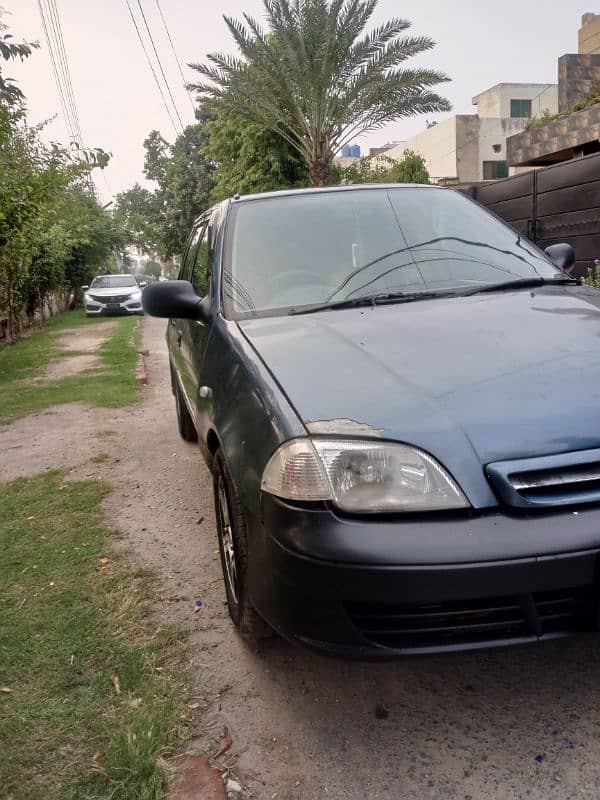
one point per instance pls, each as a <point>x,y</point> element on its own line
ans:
<point>231,531</point>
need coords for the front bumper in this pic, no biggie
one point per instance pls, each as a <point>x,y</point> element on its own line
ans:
<point>312,582</point>
<point>97,308</point>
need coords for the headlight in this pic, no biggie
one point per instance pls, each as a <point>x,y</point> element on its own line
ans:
<point>361,476</point>
<point>136,296</point>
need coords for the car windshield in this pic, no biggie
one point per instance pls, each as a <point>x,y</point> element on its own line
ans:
<point>293,251</point>
<point>113,282</point>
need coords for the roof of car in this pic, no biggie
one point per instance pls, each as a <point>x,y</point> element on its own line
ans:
<point>352,187</point>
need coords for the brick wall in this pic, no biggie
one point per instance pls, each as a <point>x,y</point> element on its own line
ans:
<point>577,76</point>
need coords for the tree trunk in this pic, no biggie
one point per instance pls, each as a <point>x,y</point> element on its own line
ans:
<point>319,165</point>
<point>319,172</point>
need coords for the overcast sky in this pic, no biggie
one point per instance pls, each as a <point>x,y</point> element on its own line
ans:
<point>479,43</point>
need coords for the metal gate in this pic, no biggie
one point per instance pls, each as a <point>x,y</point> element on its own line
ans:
<point>560,203</point>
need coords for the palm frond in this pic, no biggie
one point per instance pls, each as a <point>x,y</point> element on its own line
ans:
<point>315,75</point>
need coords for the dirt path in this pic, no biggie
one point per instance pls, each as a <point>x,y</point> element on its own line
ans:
<point>84,344</point>
<point>521,723</point>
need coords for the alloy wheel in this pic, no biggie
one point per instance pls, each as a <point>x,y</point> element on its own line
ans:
<point>226,532</point>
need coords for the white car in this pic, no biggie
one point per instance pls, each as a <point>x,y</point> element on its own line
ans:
<point>113,294</point>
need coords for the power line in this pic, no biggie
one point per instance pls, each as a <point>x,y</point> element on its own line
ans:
<point>69,85</point>
<point>57,77</point>
<point>63,64</point>
<point>156,81</point>
<point>162,72</point>
<point>52,26</point>
<point>164,21</point>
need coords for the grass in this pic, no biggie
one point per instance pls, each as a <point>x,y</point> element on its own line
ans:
<point>95,703</point>
<point>105,433</point>
<point>111,386</point>
<point>546,117</point>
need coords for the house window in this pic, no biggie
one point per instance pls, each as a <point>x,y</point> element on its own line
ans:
<point>520,108</point>
<point>493,170</point>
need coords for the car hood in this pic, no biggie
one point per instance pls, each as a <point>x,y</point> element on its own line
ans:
<point>471,380</point>
<point>114,290</point>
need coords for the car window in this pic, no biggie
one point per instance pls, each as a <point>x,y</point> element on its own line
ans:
<point>201,269</point>
<point>299,249</point>
<point>113,282</point>
<point>187,265</point>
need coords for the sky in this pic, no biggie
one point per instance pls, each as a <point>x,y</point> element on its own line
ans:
<point>479,43</point>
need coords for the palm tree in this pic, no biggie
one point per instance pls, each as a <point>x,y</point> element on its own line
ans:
<point>317,79</point>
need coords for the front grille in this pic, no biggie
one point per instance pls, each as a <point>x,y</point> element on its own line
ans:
<point>551,483</point>
<point>558,480</point>
<point>455,623</point>
<point>118,298</point>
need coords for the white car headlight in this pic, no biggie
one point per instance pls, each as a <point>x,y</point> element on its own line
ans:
<point>361,477</point>
<point>137,296</point>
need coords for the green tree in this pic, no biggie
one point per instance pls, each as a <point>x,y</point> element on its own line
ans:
<point>365,170</point>
<point>383,169</point>
<point>410,169</point>
<point>152,269</point>
<point>10,93</point>
<point>158,222</point>
<point>187,186</point>
<point>316,79</point>
<point>96,238</point>
<point>139,211</point>
<point>250,157</point>
<point>52,228</point>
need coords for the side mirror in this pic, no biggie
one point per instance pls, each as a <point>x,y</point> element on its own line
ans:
<point>85,287</point>
<point>143,284</point>
<point>176,299</point>
<point>561,255</point>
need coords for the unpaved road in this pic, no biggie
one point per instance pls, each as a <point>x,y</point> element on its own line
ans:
<point>521,723</point>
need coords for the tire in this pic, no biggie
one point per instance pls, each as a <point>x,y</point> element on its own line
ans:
<point>185,423</point>
<point>231,532</point>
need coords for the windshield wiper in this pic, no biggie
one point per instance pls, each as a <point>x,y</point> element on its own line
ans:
<point>409,297</point>
<point>521,283</point>
<point>371,300</point>
<point>349,302</point>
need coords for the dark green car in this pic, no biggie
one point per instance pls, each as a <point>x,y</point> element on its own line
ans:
<point>398,396</point>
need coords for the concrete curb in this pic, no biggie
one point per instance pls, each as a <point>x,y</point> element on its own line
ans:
<point>141,373</point>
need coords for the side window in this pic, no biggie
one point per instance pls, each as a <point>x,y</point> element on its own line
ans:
<point>201,273</point>
<point>187,265</point>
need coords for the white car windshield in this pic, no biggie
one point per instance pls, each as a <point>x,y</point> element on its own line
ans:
<point>309,248</point>
<point>113,282</point>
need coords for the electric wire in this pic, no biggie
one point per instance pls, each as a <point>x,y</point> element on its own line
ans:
<point>57,77</point>
<point>158,86</point>
<point>179,67</point>
<point>160,66</point>
<point>59,57</point>
<point>62,55</point>
<point>52,25</point>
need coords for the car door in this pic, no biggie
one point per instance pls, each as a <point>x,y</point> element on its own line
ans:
<point>175,329</point>
<point>194,333</point>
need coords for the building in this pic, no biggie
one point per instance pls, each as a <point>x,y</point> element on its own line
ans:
<point>575,130</point>
<point>472,147</point>
<point>378,151</point>
<point>589,34</point>
<point>350,151</point>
